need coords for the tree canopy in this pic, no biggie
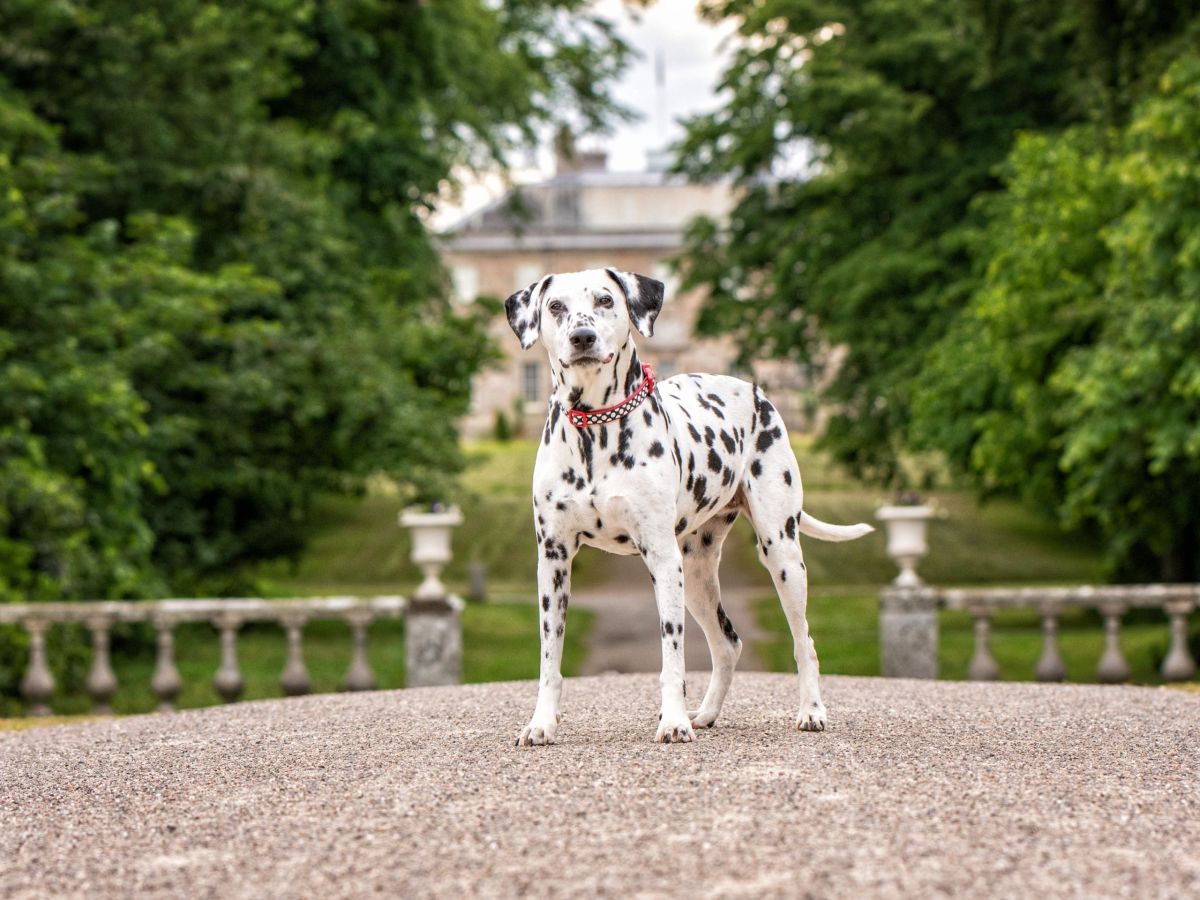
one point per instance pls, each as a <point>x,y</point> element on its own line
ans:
<point>218,294</point>
<point>994,228</point>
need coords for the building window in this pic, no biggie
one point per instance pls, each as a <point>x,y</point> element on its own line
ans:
<point>531,387</point>
<point>466,283</point>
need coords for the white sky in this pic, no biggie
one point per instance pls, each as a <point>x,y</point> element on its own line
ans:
<point>693,61</point>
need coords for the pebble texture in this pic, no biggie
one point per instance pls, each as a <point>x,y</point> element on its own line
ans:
<point>917,789</point>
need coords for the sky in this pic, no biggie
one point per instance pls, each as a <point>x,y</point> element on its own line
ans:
<point>693,59</point>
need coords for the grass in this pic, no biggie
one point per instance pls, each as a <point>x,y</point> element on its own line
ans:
<point>361,548</point>
<point>500,643</point>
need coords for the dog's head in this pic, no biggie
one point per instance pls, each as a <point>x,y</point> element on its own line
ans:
<point>584,318</point>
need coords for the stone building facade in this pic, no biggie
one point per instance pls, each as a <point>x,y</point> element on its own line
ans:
<point>587,217</point>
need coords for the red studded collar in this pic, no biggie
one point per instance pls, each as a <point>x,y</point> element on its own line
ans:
<point>582,418</point>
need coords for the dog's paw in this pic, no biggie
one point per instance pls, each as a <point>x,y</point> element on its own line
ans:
<point>812,717</point>
<point>703,718</point>
<point>537,733</point>
<point>672,730</point>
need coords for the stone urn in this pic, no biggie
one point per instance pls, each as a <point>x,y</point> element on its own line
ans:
<point>431,546</point>
<point>906,530</point>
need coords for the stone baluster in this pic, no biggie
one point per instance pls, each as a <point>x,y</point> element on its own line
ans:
<point>228,681</point>
<point>359,676</point>
<point>294,680</point>
<point>1050,666</point>
<point>1112,668</point>
<point>165,682</point>
<point>1179,665</point>
<point>983,667</point>
<point>101,683</point>
<point>38,684</point>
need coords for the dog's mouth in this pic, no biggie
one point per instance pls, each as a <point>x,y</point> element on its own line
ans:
<point>587,359</point>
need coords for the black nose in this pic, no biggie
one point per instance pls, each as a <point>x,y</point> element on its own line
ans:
<point>583,338</point>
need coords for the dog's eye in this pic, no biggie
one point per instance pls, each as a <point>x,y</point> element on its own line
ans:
<point>605,301</point>
<point>557,308</point>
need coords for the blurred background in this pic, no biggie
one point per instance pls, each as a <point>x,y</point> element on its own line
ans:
<point>252,256</point>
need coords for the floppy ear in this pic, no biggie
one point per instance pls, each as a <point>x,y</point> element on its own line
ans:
<point>524,316</point>
<point>643,297</point>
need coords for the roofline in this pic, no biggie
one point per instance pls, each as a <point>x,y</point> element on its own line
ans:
<point>604,240</point>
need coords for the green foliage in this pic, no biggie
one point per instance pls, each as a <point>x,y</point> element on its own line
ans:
<point>217,293</point>
<point>994,228</point>
<point>1073,375</point>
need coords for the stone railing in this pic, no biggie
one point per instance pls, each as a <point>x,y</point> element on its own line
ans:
<point>908,626</point>
<point>433,640</point>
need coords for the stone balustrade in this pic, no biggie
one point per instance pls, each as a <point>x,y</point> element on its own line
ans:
<point>433,637</point>
<point>908,621</point>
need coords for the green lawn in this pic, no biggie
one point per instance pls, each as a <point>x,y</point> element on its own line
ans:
<point>500,643</point>
<point>360,548</point>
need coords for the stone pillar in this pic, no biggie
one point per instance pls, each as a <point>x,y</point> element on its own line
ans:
<point>433,642</point>
<point>908,632</point>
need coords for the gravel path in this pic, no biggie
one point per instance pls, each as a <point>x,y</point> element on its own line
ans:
<point>917,789</point>
<point>624,636</point>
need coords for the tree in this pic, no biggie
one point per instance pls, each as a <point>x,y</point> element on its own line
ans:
<point>217,291</point>
<point>1072,377</point>
<point>906,109</point>
<point>966,271</point>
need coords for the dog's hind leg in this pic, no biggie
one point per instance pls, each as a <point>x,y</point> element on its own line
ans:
<point>774,500</point>
<point>702,593</point>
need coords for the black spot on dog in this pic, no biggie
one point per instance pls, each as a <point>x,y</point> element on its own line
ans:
<point>560,577</point>
<point>710,436</point>
<point>787,477</point>
<point>699,489</point>
<point>546,602</point>
<point>767,438</point>
<point>622,539</point>
<point>756,468</point>
<point>714,460</point>
<point>726,625</point>
<point>694,433</point>
<point>728,441</point>
<point>706,539</point>
<point>680,526</point>
<point>791,527</point>
<point>647,418</point>
<point>656,449</point>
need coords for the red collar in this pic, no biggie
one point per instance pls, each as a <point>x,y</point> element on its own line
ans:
<point>582,418</point>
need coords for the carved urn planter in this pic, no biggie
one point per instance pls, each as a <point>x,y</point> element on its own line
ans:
<point>431,546</point>
<point>906,539</point>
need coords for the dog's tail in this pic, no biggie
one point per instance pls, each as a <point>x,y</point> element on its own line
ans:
<point>823,531</point>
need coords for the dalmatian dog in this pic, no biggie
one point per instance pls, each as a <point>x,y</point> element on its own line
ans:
<point>661,470</point>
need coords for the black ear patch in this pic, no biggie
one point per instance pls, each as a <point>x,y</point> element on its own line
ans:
<point>524,316</point>
<point>643,297</point>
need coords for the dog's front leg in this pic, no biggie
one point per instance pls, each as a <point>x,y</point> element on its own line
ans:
<point>554,591</point>
<point>666,566</point>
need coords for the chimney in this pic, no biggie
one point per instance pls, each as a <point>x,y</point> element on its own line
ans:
<point>567,158</point>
